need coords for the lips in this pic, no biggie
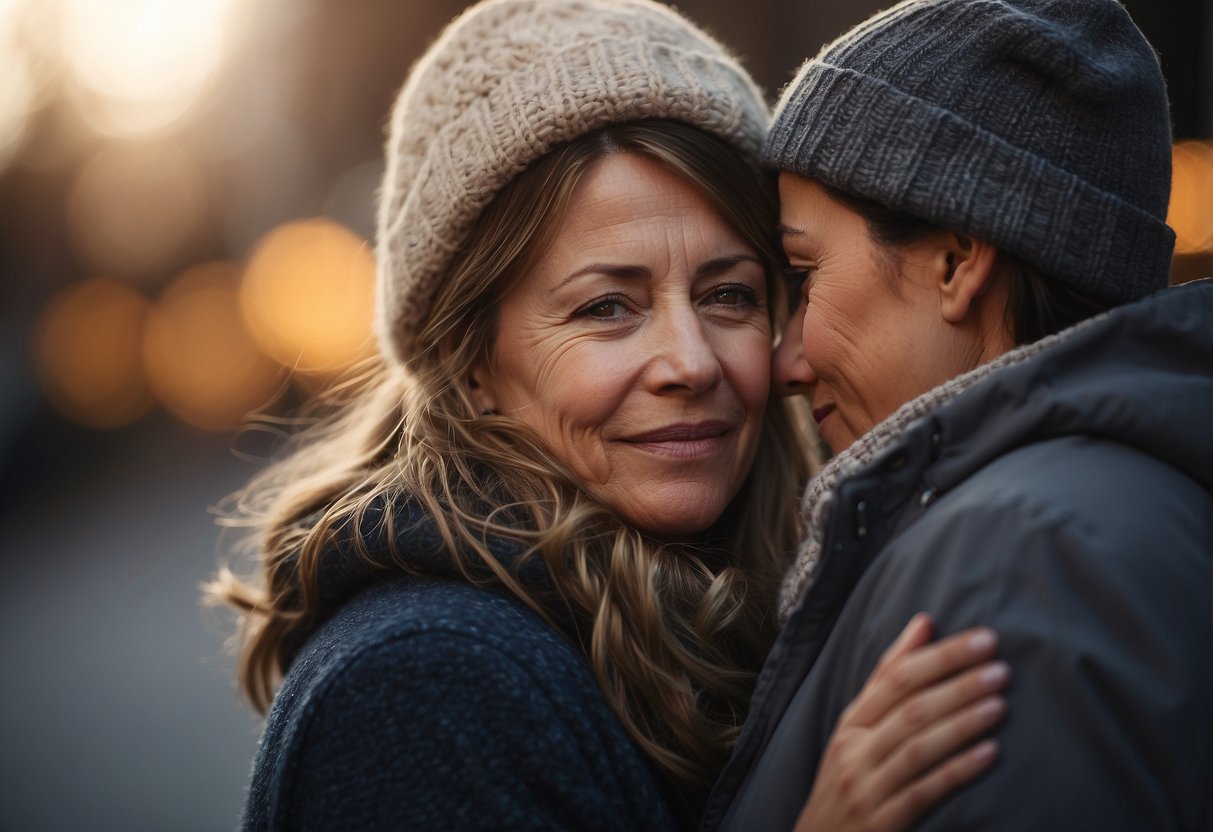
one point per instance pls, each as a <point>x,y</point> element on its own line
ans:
<point>820,413</point>
<point>685,442</point>
<point>684,432</point>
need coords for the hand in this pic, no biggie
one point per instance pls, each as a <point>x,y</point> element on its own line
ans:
<point>897,749</point>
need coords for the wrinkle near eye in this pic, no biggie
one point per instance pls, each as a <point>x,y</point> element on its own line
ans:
<point>585,384</point>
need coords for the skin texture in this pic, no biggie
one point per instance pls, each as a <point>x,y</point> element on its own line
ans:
<point>904,743</point>
<point>638,348</point>
<point>875,327</point>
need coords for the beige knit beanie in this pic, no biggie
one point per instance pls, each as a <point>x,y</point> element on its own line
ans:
<point>505,83</point>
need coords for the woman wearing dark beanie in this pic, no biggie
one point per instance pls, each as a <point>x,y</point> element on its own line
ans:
<point>972,197</point>
<point>523,578</point>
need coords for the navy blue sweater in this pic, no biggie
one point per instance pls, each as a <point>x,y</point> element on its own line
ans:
<point>432,704</point>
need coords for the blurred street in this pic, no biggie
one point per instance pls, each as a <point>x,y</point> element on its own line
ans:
<point>117,706</point>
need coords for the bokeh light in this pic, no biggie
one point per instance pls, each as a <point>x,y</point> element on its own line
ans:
<point>16,99</point>
<point>308,295</point>
<point>87,347</point>
<point>134,208</point>
<point>201,363</point>
<point>140,65</point>
<point>1190,213</point>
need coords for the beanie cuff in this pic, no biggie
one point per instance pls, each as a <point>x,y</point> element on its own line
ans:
<point>864,136</point>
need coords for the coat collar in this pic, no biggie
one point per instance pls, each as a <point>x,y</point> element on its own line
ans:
<point>1015,399</point>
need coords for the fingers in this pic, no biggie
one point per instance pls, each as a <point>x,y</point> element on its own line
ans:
<point>915,634</point>
<point>916,717</point>
<point>910,803</point>
<point>872,701</point>
<point>904,670</point>
<point>858,787</point>
<point>906,740</point>
<point>942,735</point>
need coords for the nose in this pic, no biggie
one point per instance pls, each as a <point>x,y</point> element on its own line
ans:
<point>792,373</point>
<point>683,359</point>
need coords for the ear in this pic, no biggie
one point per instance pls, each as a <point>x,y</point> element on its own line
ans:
<point>480,388</point>
<point>966,273</point>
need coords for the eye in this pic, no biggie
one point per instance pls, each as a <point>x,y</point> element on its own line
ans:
<point>603,309</point>
<point>797,280</point>
<point>733,296</point>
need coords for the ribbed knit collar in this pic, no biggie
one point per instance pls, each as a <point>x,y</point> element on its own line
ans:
<point>817,503</point>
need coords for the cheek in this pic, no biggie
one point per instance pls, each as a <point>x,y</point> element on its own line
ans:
<point>567,395</point>
<point>747,362</point>
<point>821,342</point>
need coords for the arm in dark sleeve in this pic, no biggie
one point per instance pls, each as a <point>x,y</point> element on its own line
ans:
<point>440,730</point>
<point>1108,638</point>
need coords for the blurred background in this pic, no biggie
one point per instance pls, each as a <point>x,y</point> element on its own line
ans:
<point>186,205</point>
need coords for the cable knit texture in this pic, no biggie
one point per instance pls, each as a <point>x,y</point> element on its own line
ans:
<point>505,83</point>
<point>1038,125</point>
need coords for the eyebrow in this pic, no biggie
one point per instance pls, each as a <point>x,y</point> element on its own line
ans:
<point>712,267</point>
<point>723,264</point>
<point>608,269</point>
<point>786,231</point>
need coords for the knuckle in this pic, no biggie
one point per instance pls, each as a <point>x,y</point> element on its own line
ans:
<point>901,677</point>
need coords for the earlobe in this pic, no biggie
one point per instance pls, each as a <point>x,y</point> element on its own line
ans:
<point>967,273</point>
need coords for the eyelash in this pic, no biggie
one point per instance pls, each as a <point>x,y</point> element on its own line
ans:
<point>587,311</point>
<point>748,296</point>
<point>795,278</point>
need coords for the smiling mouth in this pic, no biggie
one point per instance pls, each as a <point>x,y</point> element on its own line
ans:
<point>820,413</point>
<point>685,441</point>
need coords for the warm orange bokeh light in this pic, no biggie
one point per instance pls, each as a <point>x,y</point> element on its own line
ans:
<point>308,296</point>
<point>87,349</point>
<point>201,362</point>
<point>1190,213</point>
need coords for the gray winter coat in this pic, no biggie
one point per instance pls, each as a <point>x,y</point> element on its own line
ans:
<point>1061,495</point>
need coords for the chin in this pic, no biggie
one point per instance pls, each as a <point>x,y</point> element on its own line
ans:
<point>682,521</point>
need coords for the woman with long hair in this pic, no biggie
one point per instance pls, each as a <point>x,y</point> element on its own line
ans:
<point>522,577</point>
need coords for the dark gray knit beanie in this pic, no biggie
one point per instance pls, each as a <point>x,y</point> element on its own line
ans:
<point>1040,126</point>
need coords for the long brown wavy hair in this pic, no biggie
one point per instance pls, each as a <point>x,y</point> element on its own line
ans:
<point>674,633</point>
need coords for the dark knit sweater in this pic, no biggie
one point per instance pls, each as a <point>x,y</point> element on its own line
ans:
<point>432,704</point>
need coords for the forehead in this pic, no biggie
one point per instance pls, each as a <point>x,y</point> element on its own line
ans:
<point>622,187</point>
<point>803,203</point>
<point>630,207</point>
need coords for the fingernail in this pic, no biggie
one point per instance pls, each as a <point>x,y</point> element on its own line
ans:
<point>984,751</point>
<point>982,641</point>
<point>991,708</point>
<point>995,675</point>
